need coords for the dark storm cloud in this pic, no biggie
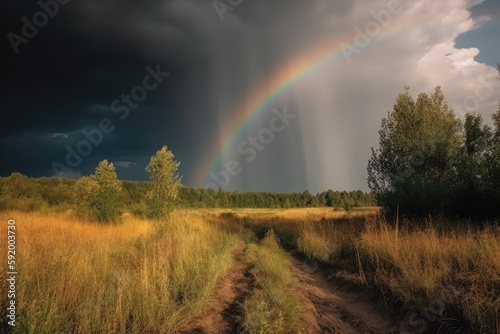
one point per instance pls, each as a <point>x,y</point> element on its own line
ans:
<point>87,56</point>
<point>273,12</point>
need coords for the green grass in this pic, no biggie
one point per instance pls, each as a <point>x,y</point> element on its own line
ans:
<point>271,308</point>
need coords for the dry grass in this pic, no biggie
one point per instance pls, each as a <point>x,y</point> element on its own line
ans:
<point>296,214</point>
<point>459,268</point>
<point>137,277</point>
<point>144,276</point>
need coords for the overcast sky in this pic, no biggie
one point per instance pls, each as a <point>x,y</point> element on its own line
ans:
<point>197,62</point>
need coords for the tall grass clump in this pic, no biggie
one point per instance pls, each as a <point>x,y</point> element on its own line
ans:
<point>271,308</point>
<point>459,269</point>
<point>329,240</point>
<point>323,239</point>
<point>75,276</point>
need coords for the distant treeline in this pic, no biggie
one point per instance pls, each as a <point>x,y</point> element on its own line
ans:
<point>29,194</point>
<point>196,197</point>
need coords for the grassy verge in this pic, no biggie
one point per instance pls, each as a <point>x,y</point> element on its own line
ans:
<point>271,309</point>
<point>140,276</point>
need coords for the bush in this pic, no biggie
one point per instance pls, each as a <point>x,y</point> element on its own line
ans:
<point>139,210</point>
<point>158,208</point>
<point>99,195</point>
<point>105,205</point>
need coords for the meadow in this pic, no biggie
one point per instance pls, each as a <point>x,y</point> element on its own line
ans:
<point>141,276</point>
<point>158,276</point>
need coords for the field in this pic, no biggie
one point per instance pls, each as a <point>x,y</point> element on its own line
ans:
<point>309,270</point>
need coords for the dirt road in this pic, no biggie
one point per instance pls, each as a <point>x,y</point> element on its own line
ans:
<point>331,309</point>
<point>327,307</point>
<point>224,314</point>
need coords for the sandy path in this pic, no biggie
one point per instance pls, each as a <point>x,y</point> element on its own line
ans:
<point>329,309</point>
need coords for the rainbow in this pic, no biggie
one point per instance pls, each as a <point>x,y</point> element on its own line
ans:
<point>263,99</point>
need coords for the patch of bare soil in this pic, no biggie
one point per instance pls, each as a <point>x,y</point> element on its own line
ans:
<point>224,312</point>
<point>328,308</point>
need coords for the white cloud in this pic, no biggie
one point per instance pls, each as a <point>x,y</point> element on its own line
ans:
<point>125,164</point>
<point>56,135</point>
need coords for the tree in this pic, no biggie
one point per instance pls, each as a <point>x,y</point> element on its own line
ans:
<point>100,193</point>
<point>165,182</point>
<point>468,186</point>
<point>307,199</point>
<point>493,165</point>
<point>287,204</point>
<point>418,142</point>
<point>496,117</point>
<point>330,198</point>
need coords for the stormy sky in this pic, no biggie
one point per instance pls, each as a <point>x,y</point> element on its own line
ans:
<point>118,79</point>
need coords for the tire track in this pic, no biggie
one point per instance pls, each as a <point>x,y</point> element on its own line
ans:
<point>329,309</point>
<point>224,313</point>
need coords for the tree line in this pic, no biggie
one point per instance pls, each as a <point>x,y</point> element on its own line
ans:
<point>202,197</point>
<point>430,161</point>
<point>104,197</point>
<point>20,192</point>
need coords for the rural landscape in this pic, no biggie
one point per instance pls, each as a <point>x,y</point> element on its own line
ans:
<point>101,255</point>
<point>253,167</point>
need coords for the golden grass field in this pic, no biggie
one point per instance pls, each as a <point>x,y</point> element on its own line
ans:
<point>139,276</point>
<point>144,276</point>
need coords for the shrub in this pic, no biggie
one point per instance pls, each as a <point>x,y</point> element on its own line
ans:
<point>99,195</point>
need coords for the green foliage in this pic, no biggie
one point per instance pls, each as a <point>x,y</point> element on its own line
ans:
<point>105,204</point>
<point>158,208</point>
<point>418,141</point>
<point>469,190</point>
<point>348,200</point>
<point>139,209</point>
<point>429,162</point>
<point>165,182</point>
<point>16,185</point>
<point>307,198</point>
<point>17,192</point>
<point>64,194</point>
<point>99,195</point>
<point>199,197</point>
